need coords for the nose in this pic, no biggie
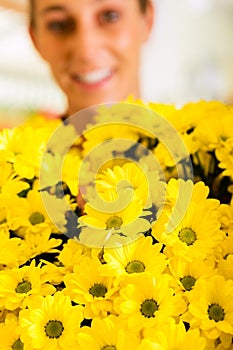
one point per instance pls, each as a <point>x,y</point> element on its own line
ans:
<point>86,43</point>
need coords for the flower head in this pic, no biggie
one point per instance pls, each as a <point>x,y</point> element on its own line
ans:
<point>50,323</point>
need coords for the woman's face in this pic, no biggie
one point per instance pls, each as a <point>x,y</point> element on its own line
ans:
<point>92,46</point>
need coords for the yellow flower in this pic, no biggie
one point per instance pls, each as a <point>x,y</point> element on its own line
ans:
<point>33,214</point>
<point>225,258</point>
<point>106,334</point>
<point>113,227</point>
<point>108,134</point>
<point>24,146</point>
<point>10,184</point>
<point>128,175</point>
<point>40,242</point>
<point>146,303</point>
<point>196,236</point>
<point>56,169</point>
<point>180,195</point>
<point>224,155</point>
<point>9,219</point>
<point>18,285</point>
<point>226,216</point>
<point>211,131</point>
<point>72,254</point>
<point>88,287</point>
<point>9,335</point>
<point>13,251</point>
<point>51,323</point>
<point>188,272</point>
<point>172,336</point>
<point>211,306</point>
<point>135,258</point>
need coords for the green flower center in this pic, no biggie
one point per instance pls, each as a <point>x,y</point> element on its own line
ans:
<point>149,307</point>
<point>114,222</point>
<point>187,235</point>
<point>135,266</point>
<point>188,282</point>
<point>109,347</point>
<point>98,290</point>
<point>23,287</point>
<point>216,312</point>
<point>18,345</point>
<point>36,218</point>
<point>54,329</point>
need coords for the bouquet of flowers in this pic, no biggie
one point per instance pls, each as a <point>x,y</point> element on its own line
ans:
<point>116,229</point>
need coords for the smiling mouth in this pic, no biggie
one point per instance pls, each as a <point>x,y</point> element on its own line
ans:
<point>93,77</point>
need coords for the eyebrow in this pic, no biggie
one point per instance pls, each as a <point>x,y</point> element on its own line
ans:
<point>51,9</point>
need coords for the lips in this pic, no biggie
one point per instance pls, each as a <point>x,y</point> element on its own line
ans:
<point>93,77</point>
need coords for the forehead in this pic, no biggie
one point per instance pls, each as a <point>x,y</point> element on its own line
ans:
<point>63,4</point>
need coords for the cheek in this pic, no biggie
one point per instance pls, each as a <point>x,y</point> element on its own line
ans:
<point>49,48</point>
<point>128,44</point>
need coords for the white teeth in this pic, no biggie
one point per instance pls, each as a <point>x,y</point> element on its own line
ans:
<point>95,76</point>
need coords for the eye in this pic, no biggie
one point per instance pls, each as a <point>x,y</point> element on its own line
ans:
<point>61,27</point>
<point>109,16</point>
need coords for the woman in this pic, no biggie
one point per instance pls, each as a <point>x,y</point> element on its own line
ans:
<point>92,46</point>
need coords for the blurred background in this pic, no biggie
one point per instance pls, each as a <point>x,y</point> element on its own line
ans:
<point>189,57</point>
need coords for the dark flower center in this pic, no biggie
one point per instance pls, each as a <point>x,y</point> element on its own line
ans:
<point>3,221</point>
<point>18,345</point>
<point>149,307</point>
<point>135,266</point>
<point>226,256</point>
<point>188,282</point>
<point>216,312</point>
<point>114,222</point>
<point>98,290</point>
<point>23,287</point>
<point>109,347</point>
<point>54,329</point>
<point>187,235</point>
<point>36,218</point>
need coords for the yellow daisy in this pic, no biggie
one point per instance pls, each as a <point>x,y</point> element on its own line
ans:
<point>180,195</point>
<point>24,147</point>
<point>10,220</point>
<point>224,155</point>
<point>33,214</point>
<point>107,134</point>
<point>225,258</point>
<point>146,303</point>
<point>226,216</point>
<point>57,169</point>
<point>50,323</point>
<point>107,334</point>
<point>211,306</point>
<point>72,254</point>
<point>10,184</point>
<point>129,175</point>
<point>40,242</point>
<point>10,339</point>
<point>13,251</point>
<point>18,285</point>
<point>135,258</point>
<point>187,273</point>
<point>197,235</point>
<point>113,227</point>
<point>213,130</point>
<point>171,336</point>
<point>88,287</point>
